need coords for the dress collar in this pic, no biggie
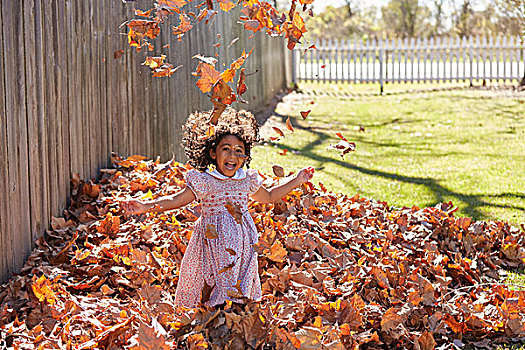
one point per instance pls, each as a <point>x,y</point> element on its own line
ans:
<point>239,174</point>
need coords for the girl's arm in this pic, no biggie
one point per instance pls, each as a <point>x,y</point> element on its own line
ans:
<point>160,204</point>
<point>277,192</point>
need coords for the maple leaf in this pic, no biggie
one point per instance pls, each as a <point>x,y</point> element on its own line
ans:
<point>184,26</point>
<point>226,5</point>
<point>41,288</point>
<point>208,76</point>
<point>154,62</point>
<point>148,339</point>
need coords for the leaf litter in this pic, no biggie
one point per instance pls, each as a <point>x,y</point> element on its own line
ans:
<point>337,272</point>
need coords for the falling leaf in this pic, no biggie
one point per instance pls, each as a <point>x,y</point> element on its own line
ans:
<point>283,152</point>
<point>233,42</point>
<point>343,146</point>
<point>289,125</point>
<point>231,251</point>
<point>226,268</point>
<point>277,130</point>
<point>234,211</point>
<point>209,60</point>
<point>304,114</point>
<point>142,13</point>
<point>208,76</point>
<point>278,170</point>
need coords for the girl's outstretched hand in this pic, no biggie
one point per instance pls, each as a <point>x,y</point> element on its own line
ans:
<point>306,174</point>
<point>134,206</point>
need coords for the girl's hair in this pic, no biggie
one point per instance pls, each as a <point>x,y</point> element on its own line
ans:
<point>197,141</point>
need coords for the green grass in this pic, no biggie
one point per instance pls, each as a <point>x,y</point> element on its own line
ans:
<point>418,148</point>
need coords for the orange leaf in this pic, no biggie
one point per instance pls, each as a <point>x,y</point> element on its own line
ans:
<point>211,232</point>
<point>289,125</point>
<point>184,26</point>
<point>277,130</point>
<point>304,114</point>
<point>277,252</point>
<point>208,76</point>
<point>226,5</point>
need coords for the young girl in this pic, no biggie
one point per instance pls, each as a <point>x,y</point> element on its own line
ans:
<point>220,257</point>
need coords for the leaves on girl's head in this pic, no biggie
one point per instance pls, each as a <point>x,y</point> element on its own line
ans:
<point>304,114</point>
<point>289,125</point>
<point>278,170</point>
<point>211,232</point>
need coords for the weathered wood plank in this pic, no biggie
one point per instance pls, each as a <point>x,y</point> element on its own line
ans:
<point>17,153</point>
<point>33,69</point>
<point>5,225</point>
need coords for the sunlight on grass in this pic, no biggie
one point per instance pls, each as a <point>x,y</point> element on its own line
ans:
<point>465,146</point>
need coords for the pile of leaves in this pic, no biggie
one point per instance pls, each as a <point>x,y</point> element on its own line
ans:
<point>337,272</point>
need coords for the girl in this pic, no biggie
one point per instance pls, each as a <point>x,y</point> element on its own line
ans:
<point>220,263</point>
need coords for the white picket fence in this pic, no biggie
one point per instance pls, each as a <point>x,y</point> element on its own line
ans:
<point>411,60</point>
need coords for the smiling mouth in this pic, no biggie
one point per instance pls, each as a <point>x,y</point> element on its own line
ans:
<point>230,166</point>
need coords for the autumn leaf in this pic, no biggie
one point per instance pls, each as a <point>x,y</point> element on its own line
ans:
<point>143,13</point>
<point>234,211</point>
<point>277,252</point>
<point>343,146</point>
<point>211,232</point>
<point>226,268</point>
<point>208,76</point>
<point>41,288</point>
<point>209,60</point>
<point>241,86</point>
<point>304,114</point>
<point>289,125</point>
<point>154,62</point>
<point>278,170</point>
<point>149,340</point>
<point>184,26</point>
<point>226,5</point>
<point>277,130</point>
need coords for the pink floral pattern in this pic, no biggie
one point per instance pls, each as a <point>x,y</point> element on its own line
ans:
<point>205,258</point>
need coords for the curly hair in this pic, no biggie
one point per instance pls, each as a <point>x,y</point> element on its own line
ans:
<point>198,142</point>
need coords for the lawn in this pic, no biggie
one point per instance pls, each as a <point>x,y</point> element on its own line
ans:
<point>413,146</point>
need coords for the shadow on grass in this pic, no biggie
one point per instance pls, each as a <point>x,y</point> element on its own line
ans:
<point>473,202</point>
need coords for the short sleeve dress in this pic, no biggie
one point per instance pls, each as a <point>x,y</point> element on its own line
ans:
<point>228,263</point>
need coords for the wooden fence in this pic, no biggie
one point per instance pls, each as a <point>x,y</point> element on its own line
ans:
<point>68,100</point>
<point>411,60</point>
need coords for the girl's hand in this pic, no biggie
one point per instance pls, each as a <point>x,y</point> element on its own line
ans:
<point>134,206</point>
<point>305,174</point>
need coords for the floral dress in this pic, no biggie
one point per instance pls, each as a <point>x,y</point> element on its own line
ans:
<point>228,262</point>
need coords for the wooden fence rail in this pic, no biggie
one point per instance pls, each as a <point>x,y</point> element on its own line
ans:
<point>414,60</point>
<point>68,99</point>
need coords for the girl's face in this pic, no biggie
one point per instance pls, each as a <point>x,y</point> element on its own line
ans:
<point>229,155</point>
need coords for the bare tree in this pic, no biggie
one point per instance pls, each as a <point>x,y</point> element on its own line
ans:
<point>515,9</point>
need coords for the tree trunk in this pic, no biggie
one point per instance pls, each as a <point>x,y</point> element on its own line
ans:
<point>522,83</point>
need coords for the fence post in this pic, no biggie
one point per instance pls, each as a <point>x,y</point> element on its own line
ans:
<point>381,53</point>
<point>470,59</point>
<point>295,66</point>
